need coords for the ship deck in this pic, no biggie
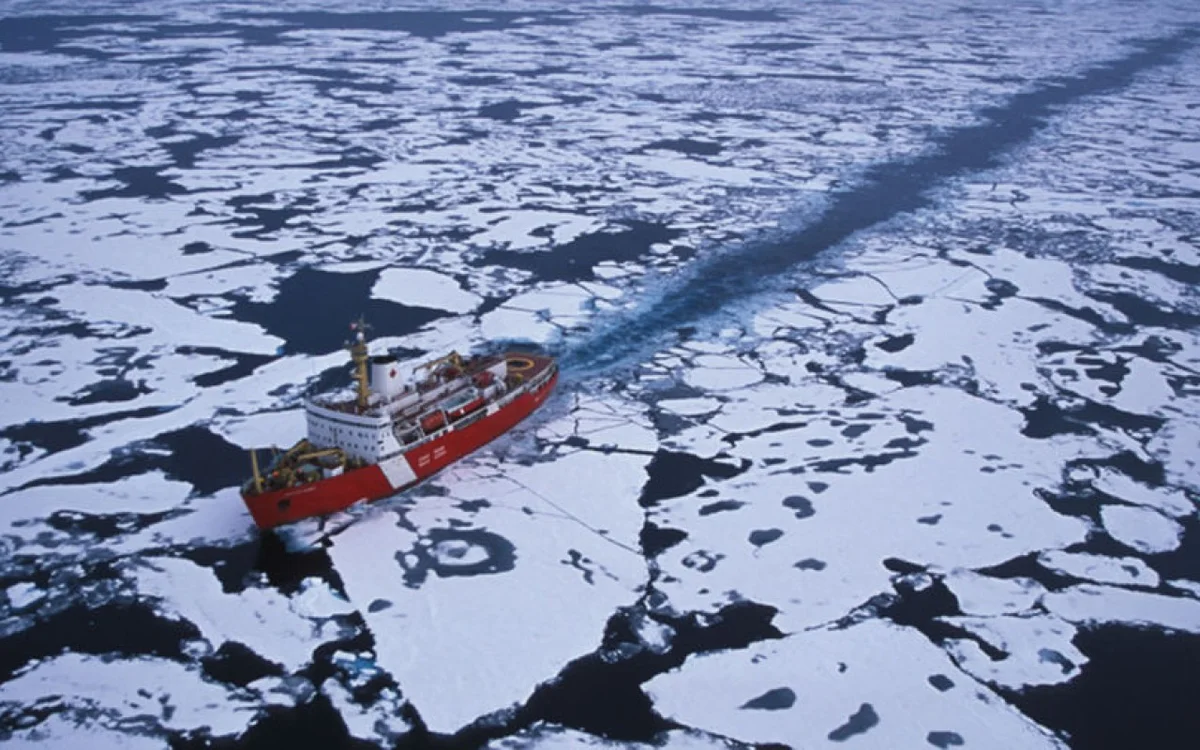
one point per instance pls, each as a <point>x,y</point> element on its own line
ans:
<point>522,368</point>
<point>527,366</point>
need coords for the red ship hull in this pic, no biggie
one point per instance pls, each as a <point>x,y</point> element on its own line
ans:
<point>369,483</point>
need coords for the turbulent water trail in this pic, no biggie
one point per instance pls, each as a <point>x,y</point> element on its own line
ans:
<point>886,191</point>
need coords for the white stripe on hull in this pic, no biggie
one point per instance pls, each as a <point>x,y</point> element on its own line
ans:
<point>398,472</point>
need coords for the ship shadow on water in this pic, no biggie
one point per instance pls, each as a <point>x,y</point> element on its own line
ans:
<point>286,561</point>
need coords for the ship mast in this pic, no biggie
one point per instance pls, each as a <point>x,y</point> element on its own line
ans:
<point>359,355</point>
<point>258,484</point>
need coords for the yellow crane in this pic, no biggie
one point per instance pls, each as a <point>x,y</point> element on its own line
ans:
<point>283,471</point>
<point>453,358</point>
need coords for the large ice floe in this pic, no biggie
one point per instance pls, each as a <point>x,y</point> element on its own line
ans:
<point>828,685</point>
<point>459,585</point>
<point>879,392</point>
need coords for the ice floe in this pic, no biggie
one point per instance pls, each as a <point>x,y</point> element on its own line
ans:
<point>1028,650</point>
<point>1093,604</point>
<point>1119,571</point>
<point>455,586</point>
<point>380,722</point>
<point>1141,529</point>
<point>1169,501</point>
<point>893,476</point>
<point>721,373</point>
<point>915,405</point>
<point>1175,445</point>
<point>422,287</point>
<point>823,685</point>
<point>166,696</point>
<point>984,595</point>
<point>276,627</point>
<point>551,737</point>
<point>64,731</point>
<point>690,406</point>
<point>23,595</point>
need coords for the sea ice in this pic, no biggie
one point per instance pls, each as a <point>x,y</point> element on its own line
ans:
<point>1036,649</point>
<point>1144,530</point>
<point>983,595</point>
<point>690,407</point>
<point>380,722</point>
<point>23,594</point>
<point>543,736</point>
<point>421,287</point>
<point>556,532</point>
<point>1119,571</point>
<point>1176,446</point>
<point>65,731</point>
<point>816,475</point>
<point>105,690</point>
<point>804,690</point>
<point>278,628</point>
<point>507,324</point>
<point>721,373</point>
<point>1091,604</point>
<point>1169,501</point>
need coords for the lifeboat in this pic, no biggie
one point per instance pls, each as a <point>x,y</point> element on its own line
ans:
<point>432,422</point>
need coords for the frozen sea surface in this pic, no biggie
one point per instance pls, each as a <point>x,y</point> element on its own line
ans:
<point>878,424</point>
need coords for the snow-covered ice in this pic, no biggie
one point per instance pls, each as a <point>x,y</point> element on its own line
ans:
<point>421,287</point>
<point>546,555</point>
<point>839,366</point>
<point>1141,529</point>
<point>823,687</point>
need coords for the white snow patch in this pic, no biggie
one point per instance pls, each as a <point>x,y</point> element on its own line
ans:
<point>143,493</point>
<point>169,696</point>
<point>984,595</point>
<point>64,731</point>
<point>264,620</point>
<point>1182,584</point>
<point>1167,500</point>
<point>317,600</point>
<point>713,372</point>
<point>255,281</point>
<point>1038,650</point>
<point>353,267</point>
<point>543,736</point>
<point>287,691</point>
<point>514,230</point>
<point>452,553</point>
<point>690,407</point>
<point>379,722</point>
<point>1141,529</point>
<point>653,634</point>
<point>516,325</point>
<point>421,287</point>
<point>1119,571</point>
<point>268,428</point>
<point>1093,604</point>
<point>24,594</point>
<point>173,323</point>
<point>912,506</point>
<point>853,292</point>
<point>1177,446</point>
<point>831,675</point>
<point>459,643</point>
